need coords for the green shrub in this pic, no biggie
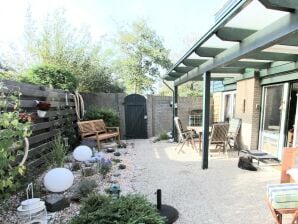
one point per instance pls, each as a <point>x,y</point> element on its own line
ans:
<point>109,116</point>
<point>163,136</point>
<point>58,152</point>
<point>13,132</point>
<point>50,75</point>
<point>105,165</point>
<point>130,209</point>
<point>87,186</point>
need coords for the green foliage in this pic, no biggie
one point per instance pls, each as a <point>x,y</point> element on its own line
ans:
<point>87,186</point>
<point>70,133</point>
<point>104,166</point>
<point>57,154</point>
<point>130,209</point>
<point>187,89</point>
<point>142,57</point>
<point>57,42</point>
<point>50,75</point>
<point>109,116</point>
<point>163,136</point>
<point>12,133</point>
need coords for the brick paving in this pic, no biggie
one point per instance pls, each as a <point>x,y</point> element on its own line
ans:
<point>222,194</point>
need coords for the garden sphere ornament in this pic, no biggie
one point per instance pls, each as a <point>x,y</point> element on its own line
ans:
<point>82,153</point>
<point>58,180</point>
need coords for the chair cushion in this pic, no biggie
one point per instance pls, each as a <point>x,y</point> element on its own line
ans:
<point>283,195</point>
<point>293,172</point>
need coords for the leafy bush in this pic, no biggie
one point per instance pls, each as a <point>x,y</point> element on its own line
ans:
<point>86,187</point>
<point>105,166</point>
<point>130,209</point>
<point>12,132</point>
<point>50,75</point>
<point>57,154</point>
<point>109,116</point>
<point>163,136</point>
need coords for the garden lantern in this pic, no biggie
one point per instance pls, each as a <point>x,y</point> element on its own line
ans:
<point>114,191</point>
<point>66,142</point>
<point>32,210</point>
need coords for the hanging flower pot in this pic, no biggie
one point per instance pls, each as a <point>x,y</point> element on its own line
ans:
<point>42,108</point>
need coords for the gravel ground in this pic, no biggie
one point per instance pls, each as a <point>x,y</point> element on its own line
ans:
<point>221,194</point>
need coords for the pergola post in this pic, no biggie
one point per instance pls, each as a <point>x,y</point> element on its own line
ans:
<point>206,113</point>
<point>175,112</point>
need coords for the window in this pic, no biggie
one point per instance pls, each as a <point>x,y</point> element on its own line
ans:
<point>195,118</point>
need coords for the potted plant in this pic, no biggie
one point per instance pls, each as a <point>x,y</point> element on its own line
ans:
<point>42,108</point>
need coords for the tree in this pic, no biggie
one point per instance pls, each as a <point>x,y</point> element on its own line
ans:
<point>141,57</point>
<point>186,89</point>
<point>56,42</point>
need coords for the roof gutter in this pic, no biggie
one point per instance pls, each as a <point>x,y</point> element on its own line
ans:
<point>234,10</point>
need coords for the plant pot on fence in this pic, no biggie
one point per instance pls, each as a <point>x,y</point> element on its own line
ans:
<point>42,108</point>
<point>41,113</point>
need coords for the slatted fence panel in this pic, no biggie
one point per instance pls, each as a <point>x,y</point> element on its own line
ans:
<point>43,129</point>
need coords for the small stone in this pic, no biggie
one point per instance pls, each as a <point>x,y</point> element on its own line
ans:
<point>75,166</point>
<point>122,166</point>
<point>88,164</point>
<point>117,174</point>
<point>110,150</point>
<point>117,154</point>
<point>56,203</point>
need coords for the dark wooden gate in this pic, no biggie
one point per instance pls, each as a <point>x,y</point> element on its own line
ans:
<point>135,116</point>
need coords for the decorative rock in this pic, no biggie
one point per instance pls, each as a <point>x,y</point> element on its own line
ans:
<point>88,164</point>
<point>117,154</point>
<point>122,166</point>
<point>56,203</point>
<point>116,160</point>
<point>110,150</point>
<point>74,193</point>
<point>122,145</point>
<point>117,174</point>
<point>75,166</point>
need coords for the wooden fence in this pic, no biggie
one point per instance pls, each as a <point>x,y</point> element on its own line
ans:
<point>61,115</point>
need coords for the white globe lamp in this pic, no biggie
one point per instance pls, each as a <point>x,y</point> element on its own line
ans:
<point>58,180</point>
<point>82,153</point>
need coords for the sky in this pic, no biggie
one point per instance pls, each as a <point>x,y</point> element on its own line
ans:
<point>178,22</point>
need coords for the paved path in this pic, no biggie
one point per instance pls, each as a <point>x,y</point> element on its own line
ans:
<point>222,194</point>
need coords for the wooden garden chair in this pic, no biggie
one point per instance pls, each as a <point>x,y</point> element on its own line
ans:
<point>219,135</point>
<point>232,135</point>
<point>184,135</point>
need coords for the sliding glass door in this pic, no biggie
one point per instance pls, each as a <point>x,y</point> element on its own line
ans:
<point>272,129</point>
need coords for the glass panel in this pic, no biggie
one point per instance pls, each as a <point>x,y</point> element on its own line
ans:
<point>273,107</point>
<point>246,18</point>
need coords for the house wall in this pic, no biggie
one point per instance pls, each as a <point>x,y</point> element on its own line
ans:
<point>217,108</point>
<point>248,100</point>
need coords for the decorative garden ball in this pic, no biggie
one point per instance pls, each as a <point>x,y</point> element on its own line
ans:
<point>58,180</point>
<point>82,153</point>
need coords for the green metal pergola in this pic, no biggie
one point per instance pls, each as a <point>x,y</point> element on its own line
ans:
<point>251,35</point>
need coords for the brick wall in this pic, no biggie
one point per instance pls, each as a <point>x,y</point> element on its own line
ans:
<point>159,111</point>
<point>217,101</point>
<point>248,96</point>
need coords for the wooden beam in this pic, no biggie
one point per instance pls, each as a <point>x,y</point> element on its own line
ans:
<point>270,35</point>
<point>194,62</point>
<point>183,69</point>
<point>208,51</point>
<point>281,5</point>
<point>233,34</point>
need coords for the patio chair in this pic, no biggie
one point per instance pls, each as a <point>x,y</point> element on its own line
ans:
<point>233,131</point>
<point>218,135</point>
<point>184,135</point>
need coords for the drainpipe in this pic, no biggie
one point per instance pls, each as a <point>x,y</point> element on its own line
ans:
<point>174,111</point>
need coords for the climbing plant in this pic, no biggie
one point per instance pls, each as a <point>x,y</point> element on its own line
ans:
<point>13,130</point>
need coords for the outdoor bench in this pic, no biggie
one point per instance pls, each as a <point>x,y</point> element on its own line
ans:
<point>97,130</point>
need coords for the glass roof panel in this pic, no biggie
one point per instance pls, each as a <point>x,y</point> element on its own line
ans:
<point>255,16</point>
<point>282,49</point>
